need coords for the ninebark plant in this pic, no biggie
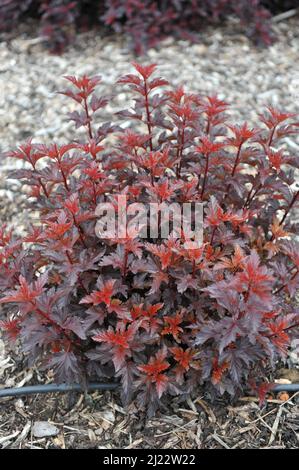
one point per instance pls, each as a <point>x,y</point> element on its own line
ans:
<point>144,22</point>
<point>159,317</point>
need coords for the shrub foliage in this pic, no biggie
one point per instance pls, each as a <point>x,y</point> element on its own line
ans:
<point>145,22</point>
<point>160,317</point>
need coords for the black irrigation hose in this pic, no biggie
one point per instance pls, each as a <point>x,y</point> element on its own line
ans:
<point>52,388</point>
<point>286,388</point>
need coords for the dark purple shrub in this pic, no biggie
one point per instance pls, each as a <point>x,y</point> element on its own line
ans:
<point>145,22</point>
<point>161,316</point>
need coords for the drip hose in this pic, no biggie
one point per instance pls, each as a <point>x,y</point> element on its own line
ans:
<point>52,388</point>
<point>63,388</point>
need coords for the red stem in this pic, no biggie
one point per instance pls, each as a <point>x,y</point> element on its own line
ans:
<point>69,257</point>
<point>208,127</point>
<point>292,326</point>
<point>181,143</point>
<point>81,233</point>
<point>64,177</point>
<point>39,178</point>
<point>88,118</point>
<point>44,188</point>
<point>193,269</point>
<point>94,193</point>
<point>237,160</point>
<point>148,116</point>
<point>284,329</point>
<point>287,211</point>
<point>125,263</point>
<point>233,171</point>
<point>213,235</point>
<point>284,285</point>
<point>205,176</point>
<point>290,207</point>
<point>251,196</point>
<point>271,136</point>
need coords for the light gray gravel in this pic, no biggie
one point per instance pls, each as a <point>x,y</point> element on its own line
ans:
<point>225,63</point>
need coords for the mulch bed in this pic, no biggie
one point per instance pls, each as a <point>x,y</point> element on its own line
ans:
<point>105,424</point>
<point>100,421</point>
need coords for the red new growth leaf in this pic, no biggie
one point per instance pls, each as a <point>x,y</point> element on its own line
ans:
<point>162,252</point>
<point>28,152</point>
<point>154,372</point>
<point>72,204</point>
<point>119,341</point>
<point>234,263</point>
<point>131,140</point>
<point>254,278</point>
<point>278,334</point>
<point>241,135</point>
<point>274,117</point>
<point>91,147</point>
<point>215,215</point>
<point>11,328</point>
<point>85,84</point>
<point>104,295</point>
<point>56,230</point>
<point>148,316</point>
<point>276,158</point>
<point>207,146</point>
<point>162,190</point>
<point>262,391</point>
<point>145,70</point>
<point>25,292</point>
<point>185,361</point>
<point>218,371</point>
<point>183,357</point>
<point>172,326</point>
